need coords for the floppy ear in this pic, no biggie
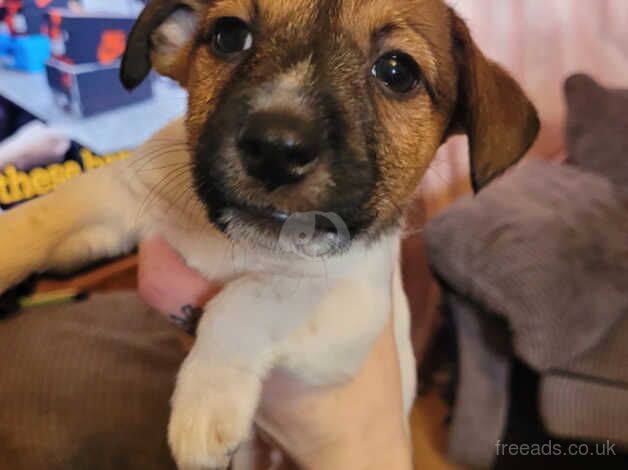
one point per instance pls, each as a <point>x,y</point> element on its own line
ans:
<point>492,109</point>
<point>162,31</point>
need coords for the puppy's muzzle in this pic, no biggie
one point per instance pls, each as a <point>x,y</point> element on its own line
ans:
<point>278,148</point>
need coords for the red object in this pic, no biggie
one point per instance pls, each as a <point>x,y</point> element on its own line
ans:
<point>13,8</point>
<point>66,80</point>
<point>111,47</point>
<point>55,33</point>
<point>55,24</point>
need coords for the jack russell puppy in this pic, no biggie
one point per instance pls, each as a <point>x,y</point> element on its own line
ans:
<point>310,124</point>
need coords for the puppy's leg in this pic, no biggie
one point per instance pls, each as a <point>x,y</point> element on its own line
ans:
<point>83,220</point>
<point>219,384</point>
<point>102,213</point>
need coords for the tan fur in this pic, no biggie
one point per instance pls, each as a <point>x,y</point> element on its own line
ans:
<point>410,130</point>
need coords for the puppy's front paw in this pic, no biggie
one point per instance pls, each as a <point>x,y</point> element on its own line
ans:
<point>212,414</point>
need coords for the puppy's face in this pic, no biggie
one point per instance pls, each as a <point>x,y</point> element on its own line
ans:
<point>329,107</point>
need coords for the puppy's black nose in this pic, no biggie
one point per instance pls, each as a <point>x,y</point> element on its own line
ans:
<point>278,148</point>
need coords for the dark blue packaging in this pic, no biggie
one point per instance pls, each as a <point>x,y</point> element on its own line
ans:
<point>82,38</point>
<point>89,89</point>
<point>35,22</point>
<point>26,17</point>
<point>42,4</point>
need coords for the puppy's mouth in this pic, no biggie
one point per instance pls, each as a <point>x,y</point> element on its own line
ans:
<point>267,214</point>
<point>273,217</point>
<point>311,234</point>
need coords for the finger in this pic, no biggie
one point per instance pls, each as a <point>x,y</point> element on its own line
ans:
<point>168,285</point>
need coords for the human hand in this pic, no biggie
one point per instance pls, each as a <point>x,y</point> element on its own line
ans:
<point>34,144</point>
<point>357,425</point>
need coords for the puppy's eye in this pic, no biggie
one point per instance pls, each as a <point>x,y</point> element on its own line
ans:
<point>231,36</point>
<point>398,71</point>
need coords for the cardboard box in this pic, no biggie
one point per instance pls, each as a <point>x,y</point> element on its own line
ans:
<point>35,4</point>
<point>85,38</point>
<point>33,22</point>
<point>24,17</point>
<point>89,89</point>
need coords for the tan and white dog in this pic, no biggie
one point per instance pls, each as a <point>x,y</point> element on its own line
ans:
<point>310,124</point>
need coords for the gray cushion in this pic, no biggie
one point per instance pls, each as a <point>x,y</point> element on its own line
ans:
<point>546,248</point>
<point>597,128</point>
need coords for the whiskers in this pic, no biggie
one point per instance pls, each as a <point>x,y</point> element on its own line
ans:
<point>167,171</point>
<point>165,149</point>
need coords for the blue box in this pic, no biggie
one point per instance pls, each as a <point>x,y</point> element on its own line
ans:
<point>89,89</point>
<point>27,53</point>
<point>5,44</point>
<point>83,38</point>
